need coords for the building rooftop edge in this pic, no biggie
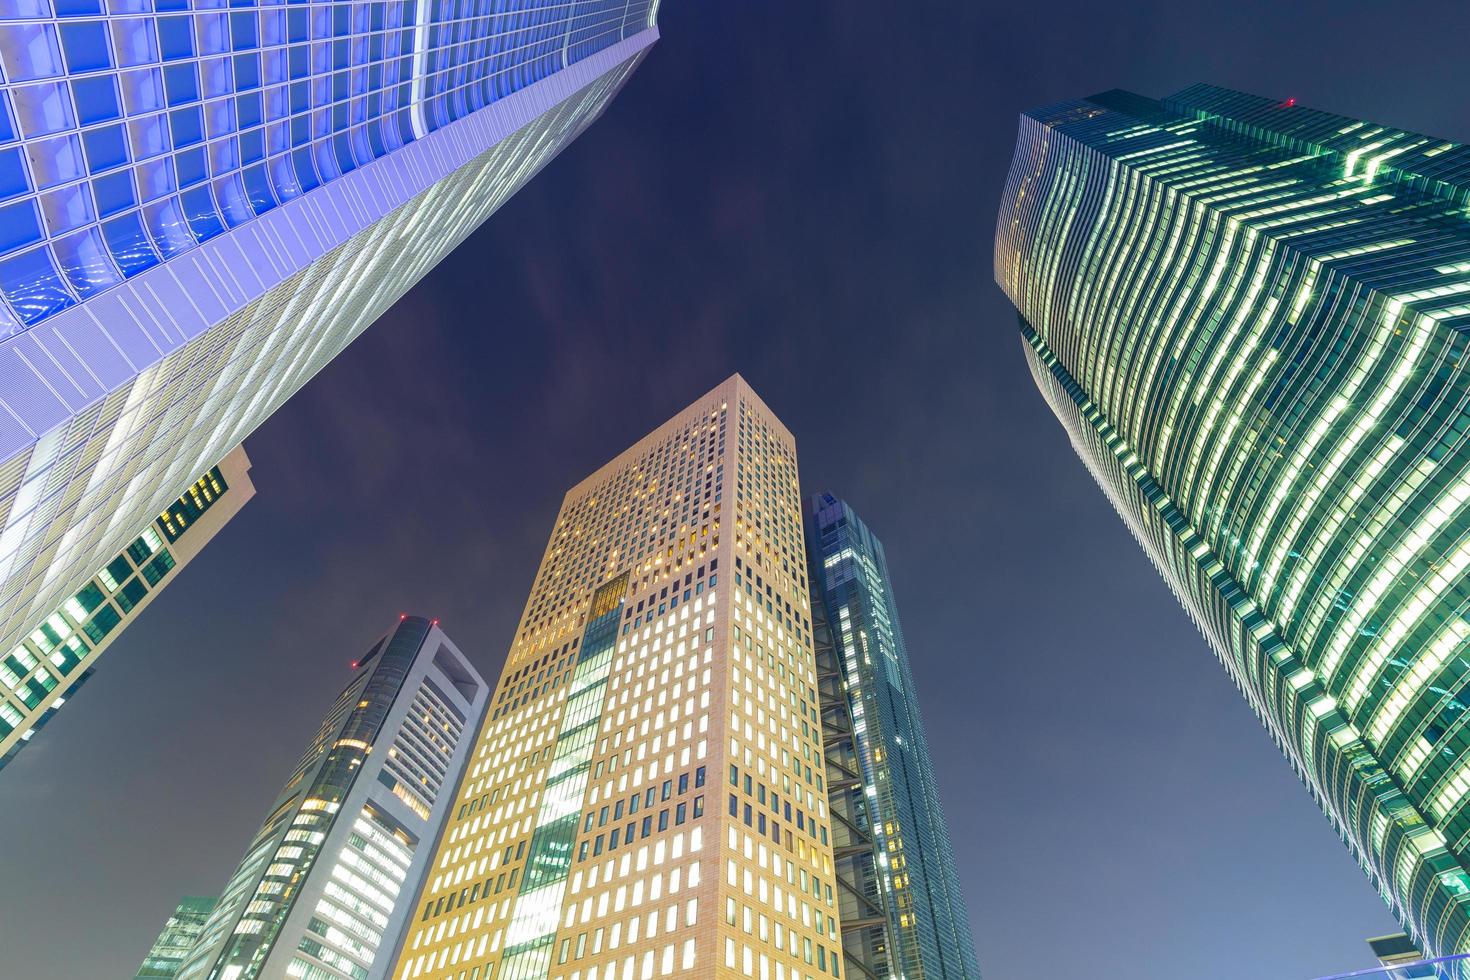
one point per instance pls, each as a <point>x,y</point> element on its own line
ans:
<point>733,384</point>
<point>1432,164</point>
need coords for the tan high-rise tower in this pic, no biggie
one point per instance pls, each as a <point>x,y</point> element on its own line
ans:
<point>647,796</point>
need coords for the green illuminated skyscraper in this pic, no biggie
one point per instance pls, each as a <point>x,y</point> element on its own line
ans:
<point>1252,318</point>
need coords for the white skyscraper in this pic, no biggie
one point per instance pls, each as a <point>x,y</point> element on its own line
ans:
<point>325,884</point>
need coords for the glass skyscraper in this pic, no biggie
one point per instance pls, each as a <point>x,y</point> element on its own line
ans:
<point>202,203</point>
<point>323,890</point>
<point>902,912</point>
<point>180,933</point>
<point>1251,318</point>
<point>647,796</point>
<point>59,652</point>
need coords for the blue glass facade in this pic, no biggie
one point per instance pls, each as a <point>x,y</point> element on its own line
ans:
<point>902,911</point>
<point>133,130</point>
<point>203,201</point>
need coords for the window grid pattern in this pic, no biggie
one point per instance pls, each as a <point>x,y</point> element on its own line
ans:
<point>68,500</point>
<point>180,933</point>
<point>590,836</point>
<point>345,930</point>
<point>57,657</point>
<point>1252,317</point>
<point>419,757</point>
<point>128,138</point>
<point>261,915</point>
<point>328,880</point>
<point>177,517</point>
<point>895,848</point>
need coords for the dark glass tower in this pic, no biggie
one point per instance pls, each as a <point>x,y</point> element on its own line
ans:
<point>902,912</point>
<point>1252,319</point>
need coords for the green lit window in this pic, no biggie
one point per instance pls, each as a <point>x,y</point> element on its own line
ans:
<point>116,571</point>
<point>101,624</point>
<point>147,543</point>
<point>90,598</point>
<point>158,567</point>
<point>130,595</point>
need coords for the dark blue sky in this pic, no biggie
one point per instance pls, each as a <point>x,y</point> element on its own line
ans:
<point>804,193</point>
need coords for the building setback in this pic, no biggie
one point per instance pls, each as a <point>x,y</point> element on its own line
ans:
<point>180,933</point>
<point>1251,318</point>
<point>323,890</point>
<point>647,795</point>
<point>902,912</point>
<point>60,650</point>
<point>1395,950</point>
<point>199,208</point>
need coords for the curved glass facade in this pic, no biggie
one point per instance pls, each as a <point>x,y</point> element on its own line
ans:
<point>131,133</point>
<point>250,185</point>
<point>1251,317</point>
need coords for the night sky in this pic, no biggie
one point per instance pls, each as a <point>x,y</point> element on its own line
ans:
<point>805,193</point>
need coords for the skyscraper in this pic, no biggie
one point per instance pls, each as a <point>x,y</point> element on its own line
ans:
<point>59,651</point>
<point>199,208</point>
<point>323,890</point>
<point>901,909</point>
<point>647,795</point>
<point>1251,318</point>
<point>180,933</point>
